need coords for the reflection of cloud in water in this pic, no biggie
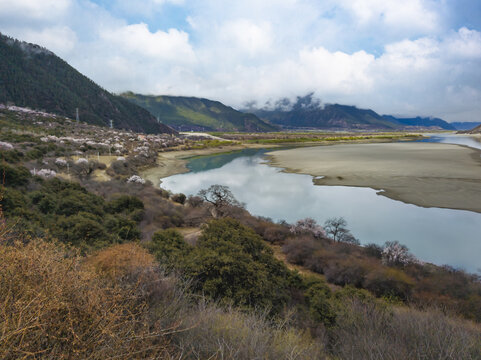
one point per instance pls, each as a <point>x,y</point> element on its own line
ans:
<point>433,234</point>
<point>466,140</point>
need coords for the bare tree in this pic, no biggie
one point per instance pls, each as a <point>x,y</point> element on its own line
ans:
<point>221,199</point>
<point>336,229</point>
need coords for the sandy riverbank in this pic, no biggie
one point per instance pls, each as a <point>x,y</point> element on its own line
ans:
<point>174,162</point>
<point>424,174</point>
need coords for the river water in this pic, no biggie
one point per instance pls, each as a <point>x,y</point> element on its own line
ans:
<point>440,236</point>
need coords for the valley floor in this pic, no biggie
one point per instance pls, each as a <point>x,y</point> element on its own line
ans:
<point>424,174</point>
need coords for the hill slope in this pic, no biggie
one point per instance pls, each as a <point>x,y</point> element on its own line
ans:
<point>421,122</point>
<point>466,125</point>
<point>190,113</point>
<point>308,113</point>
<point>31,76</point>
<point>476,130</point>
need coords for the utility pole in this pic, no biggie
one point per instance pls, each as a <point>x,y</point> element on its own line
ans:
<point>76,115</point>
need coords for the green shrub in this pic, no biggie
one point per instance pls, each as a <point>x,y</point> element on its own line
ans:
<point>232,263</point>
<point>11,156</point>
<point>124,203</point>
<point>15,175</point>
<point>168,246</point>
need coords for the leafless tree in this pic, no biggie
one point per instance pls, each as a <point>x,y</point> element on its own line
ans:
<point>336,229</point>
<point>221,199</point>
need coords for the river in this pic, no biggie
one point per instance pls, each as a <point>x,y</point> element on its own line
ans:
<point>440,236</point>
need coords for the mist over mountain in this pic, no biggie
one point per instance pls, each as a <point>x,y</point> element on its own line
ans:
<point>310,112</point>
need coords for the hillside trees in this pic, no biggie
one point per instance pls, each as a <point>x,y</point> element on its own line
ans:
<point>221,199</point>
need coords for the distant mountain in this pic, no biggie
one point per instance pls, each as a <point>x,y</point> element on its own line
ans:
<point>31,76</point>
<point>476,130</point>
<point>421,122</point>
<point>190,113</point>
<point>307,112</point>
<point>467,125</point>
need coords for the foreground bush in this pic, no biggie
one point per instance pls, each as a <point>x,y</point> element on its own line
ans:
<point>117,304</point>
<point>53,307</point>
<point>368,331</point>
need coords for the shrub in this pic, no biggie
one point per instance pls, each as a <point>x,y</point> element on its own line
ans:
<point>15,175</point>
<point>389,282</point>
<point>168,246</point>
<point>82,230</point>
<point>231,263</point>
<point>365,330</point>
<point>54,307</point>
<point>124,203</point>
<point>318,297</point>
<point>178,198</point>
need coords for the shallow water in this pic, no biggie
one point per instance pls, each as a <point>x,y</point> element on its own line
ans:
<point>458,139</point>
<point>441,236</point>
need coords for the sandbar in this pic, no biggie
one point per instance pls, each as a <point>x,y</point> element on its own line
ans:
<point>424,174</point>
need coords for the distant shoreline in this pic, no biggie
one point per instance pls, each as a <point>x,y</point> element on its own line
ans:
<point>423,174</point>
<point>174,162</point>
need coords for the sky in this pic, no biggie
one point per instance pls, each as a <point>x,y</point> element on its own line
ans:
<point>406,58</point>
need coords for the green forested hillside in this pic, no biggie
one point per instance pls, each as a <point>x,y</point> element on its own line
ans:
<point>31,76</point>
<point>190,113</point>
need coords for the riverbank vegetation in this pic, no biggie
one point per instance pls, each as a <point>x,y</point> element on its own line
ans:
<point>102,270</point>
<point>316,137</point>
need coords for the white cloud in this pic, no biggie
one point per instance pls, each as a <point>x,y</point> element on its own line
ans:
<point>147,8</point>
<point>59,39</point>
<point>246,36</point>
<point>406,14</point>
<point>392,56</point>
<point>34,9</point>
<point>136,39</point>
<point>465,44</point>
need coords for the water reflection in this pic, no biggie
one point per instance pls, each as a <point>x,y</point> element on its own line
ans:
<point>441,236</point>
<point>458,139</point>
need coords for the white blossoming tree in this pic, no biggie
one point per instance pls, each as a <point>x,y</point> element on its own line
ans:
<point>396,254</point>
<point>309,226</point>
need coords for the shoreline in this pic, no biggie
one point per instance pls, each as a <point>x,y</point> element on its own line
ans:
<point>174,162</point>
<point>422,174</point>
<point>171,163</point>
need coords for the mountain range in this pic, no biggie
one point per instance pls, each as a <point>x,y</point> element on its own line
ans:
<point>32,76</point>
<point>307,112</point>
<point>190,113</point>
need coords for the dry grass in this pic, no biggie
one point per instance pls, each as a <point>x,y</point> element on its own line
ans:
<point>365,331</point>
<point>117,304</point>
<point>53,306</point>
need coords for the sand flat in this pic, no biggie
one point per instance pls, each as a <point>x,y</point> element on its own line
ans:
<point>424,174</point>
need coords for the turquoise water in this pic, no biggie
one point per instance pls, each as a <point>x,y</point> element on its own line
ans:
<point>441,236</point>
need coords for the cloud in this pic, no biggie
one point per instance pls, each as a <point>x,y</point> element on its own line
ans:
<point>406,15</point>
<point>34,9</point>
<point>246,36</point>
<point>136,39</point>
<point>59,39</point>
<point>395,57</point>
